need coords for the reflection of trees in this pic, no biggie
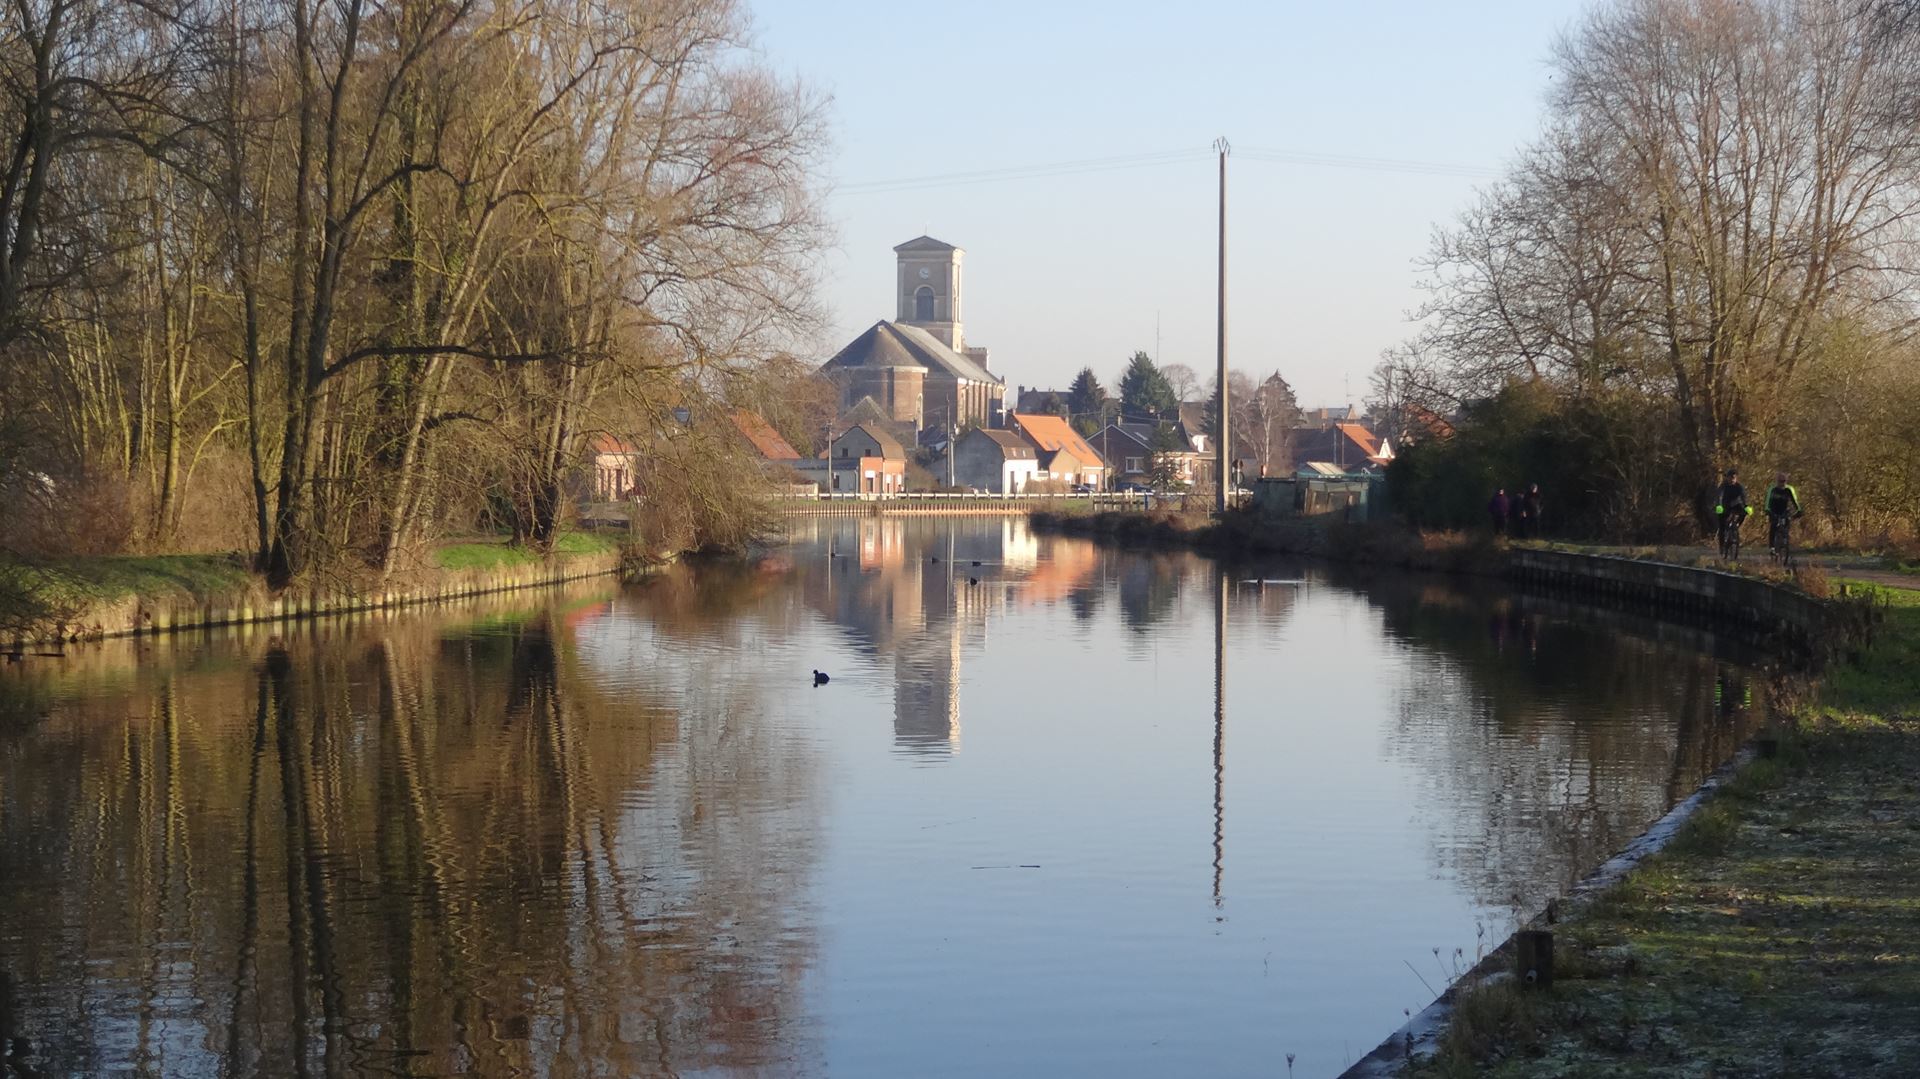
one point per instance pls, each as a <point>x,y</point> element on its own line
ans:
<point>1541,745</point>
<point>406,853</point>
<point>1148,584</point>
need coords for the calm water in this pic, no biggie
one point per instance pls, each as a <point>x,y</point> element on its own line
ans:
<point>1028,828</point>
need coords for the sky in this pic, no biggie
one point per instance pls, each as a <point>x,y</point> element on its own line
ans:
<point>1084,268</point>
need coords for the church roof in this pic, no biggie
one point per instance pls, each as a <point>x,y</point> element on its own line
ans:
<point>925,243</point>
<point>890,344</point>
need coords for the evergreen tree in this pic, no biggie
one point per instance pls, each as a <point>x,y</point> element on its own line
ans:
<point>1144,390</point>
<point>1164,471</point>
<point>1088,402</point>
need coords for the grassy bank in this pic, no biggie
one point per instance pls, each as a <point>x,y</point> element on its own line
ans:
<point>83,598</point>
<point>83,580</point>
<point>498,553</point>
<point>1778,935</point>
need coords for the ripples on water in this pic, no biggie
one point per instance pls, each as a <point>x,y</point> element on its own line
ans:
<point>619,832</point>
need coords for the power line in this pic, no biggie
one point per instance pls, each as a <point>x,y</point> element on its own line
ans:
<point>1025,172</point>
<point>1371,164</point>
<point>1263,155</point>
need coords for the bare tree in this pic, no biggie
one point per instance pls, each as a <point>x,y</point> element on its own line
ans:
<point>1181,379</point>
<point>1720,185</point>
<point>1271,415</point>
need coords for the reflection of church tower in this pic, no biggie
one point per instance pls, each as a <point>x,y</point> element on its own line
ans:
<point>926,685</point>
<point>926,689</point>
<point>930,289</point>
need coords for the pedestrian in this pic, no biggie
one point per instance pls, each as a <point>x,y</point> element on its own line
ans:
<point>1530,512</point>
<point>1498,509</point>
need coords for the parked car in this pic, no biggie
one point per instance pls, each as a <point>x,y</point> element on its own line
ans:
<point>1082,489</point>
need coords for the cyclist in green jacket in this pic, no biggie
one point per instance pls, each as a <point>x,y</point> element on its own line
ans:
<point>1783,504</point>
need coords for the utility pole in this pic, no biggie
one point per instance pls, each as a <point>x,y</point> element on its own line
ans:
<point>1223,468</point>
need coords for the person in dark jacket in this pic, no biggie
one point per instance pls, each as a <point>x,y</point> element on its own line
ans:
<point>1530,512</point>
<point>1730,508</point>
<point>1498,509</point>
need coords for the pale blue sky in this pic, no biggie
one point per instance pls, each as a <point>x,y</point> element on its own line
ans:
<point>1069,271</point>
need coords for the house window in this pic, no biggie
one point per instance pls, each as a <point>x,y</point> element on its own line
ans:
<point>923,305</point>
<point>1133,465</point>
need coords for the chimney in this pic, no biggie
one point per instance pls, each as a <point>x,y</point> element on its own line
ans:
<point>978,354</point>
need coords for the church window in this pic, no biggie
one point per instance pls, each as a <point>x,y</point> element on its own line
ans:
<point>923,305</point>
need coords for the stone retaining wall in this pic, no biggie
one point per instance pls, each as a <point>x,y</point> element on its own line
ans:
<point>1760,606</point>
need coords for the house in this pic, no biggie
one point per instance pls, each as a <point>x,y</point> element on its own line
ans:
<point>1127,450</point>
<point>1348,448</point>
<point>779,461</point>
<point>1419,423</point>
<point>765,442</point>
<point>1064,456</point>
<point>999,462</point>
<point>1035,399</point>
<point>918,368</point>
<point>1199,434</point>
<point>1321,417</point>
<point>614,468</point>
<point>1194,426</point>
<point>859,460</point>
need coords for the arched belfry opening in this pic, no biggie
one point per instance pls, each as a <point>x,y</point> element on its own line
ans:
<point>930,289</point>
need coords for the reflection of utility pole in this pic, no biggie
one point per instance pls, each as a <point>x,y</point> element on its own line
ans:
<point>1219,731</point>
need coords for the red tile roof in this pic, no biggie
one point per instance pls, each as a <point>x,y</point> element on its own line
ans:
<point>763,438</point>
<point>1054,433</point>
<point>606,443</point>
<point>1362,438</point>
<point>1428,421</point>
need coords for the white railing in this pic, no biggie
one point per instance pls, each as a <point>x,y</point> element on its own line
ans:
<point>1117,498</point>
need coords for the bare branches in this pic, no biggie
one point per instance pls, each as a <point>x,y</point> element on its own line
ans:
<point>392,255</point>
<point>1718,184</point>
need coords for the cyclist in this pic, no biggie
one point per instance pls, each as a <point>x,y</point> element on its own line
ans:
<point>1731,508</point>
<point>1783,504</point>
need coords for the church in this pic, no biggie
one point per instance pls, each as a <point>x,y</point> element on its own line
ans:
<point>917,372</point>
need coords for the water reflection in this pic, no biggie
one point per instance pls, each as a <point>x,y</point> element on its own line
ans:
<point>1536,751</point>
<point>406,850</point>
<point>620,832</point>
<point>920,592</point>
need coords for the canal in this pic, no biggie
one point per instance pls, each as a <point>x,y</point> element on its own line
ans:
<point>1059,810</point>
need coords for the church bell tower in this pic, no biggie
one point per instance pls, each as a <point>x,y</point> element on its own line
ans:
<point>929,293</point>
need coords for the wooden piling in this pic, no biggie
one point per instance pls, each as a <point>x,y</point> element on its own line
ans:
<point>1533,958</point>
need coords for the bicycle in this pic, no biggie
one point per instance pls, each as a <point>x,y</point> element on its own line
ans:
<point>1780,539</point>
<point>1730,537</point>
